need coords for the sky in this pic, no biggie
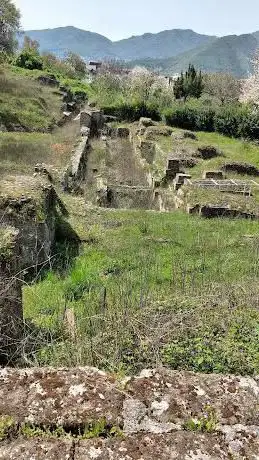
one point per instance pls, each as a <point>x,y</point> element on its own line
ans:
<point>118,19</point>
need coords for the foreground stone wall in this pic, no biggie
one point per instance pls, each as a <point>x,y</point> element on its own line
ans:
<point>155,416</point>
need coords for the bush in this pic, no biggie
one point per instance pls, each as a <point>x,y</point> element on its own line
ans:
<point>233,121</point>
<point>227,122</point>
<point>132,112</point>
<point>199,119</point>
<point>29,59</point>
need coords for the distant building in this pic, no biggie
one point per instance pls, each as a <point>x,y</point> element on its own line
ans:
<point>94,66</point>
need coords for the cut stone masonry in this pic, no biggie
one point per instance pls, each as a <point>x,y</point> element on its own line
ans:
<point>150,414</point>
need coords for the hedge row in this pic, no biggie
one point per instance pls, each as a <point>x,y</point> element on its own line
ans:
<point>129,112</point>
<point>237,121</point>
<point>233,121</point>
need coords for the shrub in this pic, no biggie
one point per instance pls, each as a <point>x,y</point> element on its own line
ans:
<point>29,59</point>
<point>132,112</point>
<point>227,121</point>
<point>232,120</point>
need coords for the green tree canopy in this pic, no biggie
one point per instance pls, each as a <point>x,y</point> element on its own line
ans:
<point>189,84</point>
<point>9,25</point>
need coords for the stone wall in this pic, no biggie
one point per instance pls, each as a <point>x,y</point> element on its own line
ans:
<point>11,314</point>
<point>159,415</point>
<point>76,170</point>
<point>126,197</point>
<point>34,218</point>
<point>29,208</point>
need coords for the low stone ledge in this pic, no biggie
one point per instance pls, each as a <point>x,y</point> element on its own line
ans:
<point>182,445</point>
<point>59,397</point>
<point>74,396</point>
<point>156,410</point>
<point>37,449</point>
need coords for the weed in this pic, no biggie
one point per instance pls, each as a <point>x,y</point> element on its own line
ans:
<point>101,429</point>
<point>96,429</point>
<point>207,423</point>
<point>7,425</point>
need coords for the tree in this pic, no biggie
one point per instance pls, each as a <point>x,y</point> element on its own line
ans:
<point>29,59</point>
<point>141,82</point>
<point>189,84</point>
<point>223,86</point>
<point>250,86</point>
<point>75,61</point>
<point>9,25</point>
<point>28,43</point>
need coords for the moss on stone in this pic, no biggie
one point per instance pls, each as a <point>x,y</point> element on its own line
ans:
<point>7,239</point>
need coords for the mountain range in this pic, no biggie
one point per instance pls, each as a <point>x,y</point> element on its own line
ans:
<point>169,51</point>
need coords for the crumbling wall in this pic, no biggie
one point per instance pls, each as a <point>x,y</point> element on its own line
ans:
<point>10,295</point>
<point>93,120</point>
<point>76,170</point>
<point>34,218</point>
<point>126,197</point>
<point>28,214</point>
<point>160,415</point>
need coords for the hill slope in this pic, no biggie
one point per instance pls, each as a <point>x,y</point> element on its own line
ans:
<point>226,54</point>
<point>164,44</point>
<point>170,50</point>
<point>94,46</point>
<point>63,39</point>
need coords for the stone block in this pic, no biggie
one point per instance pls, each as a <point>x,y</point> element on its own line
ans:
<point>213,175</point>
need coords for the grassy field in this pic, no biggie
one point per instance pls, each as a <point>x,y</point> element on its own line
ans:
<point>150,288</point>
<point>232,149</point>
<point>25,102</point>
<point>20,152</point>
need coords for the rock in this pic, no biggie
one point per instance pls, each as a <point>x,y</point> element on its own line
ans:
<point>189,135</point>
<point>123,132</point>
<point>153,131</point>
<point>182,135</point>
<point>180,180</point>
<point>109,118</point>
<point>11,313</point>
<point>92,119</point>
<point>211,211</point>
<point>49,80</point>
<point>41,169</point>
<point>71,106</point>
<point>146,122</point>
<point>148,150</point>
<point>84,131</point>
<point>3,128</point>
<point>148,415</point>
<point>208,151</point>
<point>141,131</point>
<point>213,175</point>
<point>38,449</point>
<point>241,168</point>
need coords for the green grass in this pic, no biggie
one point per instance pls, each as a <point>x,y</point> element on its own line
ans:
<point>150,288</point>
<point>20,152</point>
<point>25,102</point>
<point>233,150</point>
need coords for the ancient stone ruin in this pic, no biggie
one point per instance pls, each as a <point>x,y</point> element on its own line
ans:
<point>29,208</point>
<point>160,415</point>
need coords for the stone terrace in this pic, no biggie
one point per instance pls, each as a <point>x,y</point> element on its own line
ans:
<point>151,416</point>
